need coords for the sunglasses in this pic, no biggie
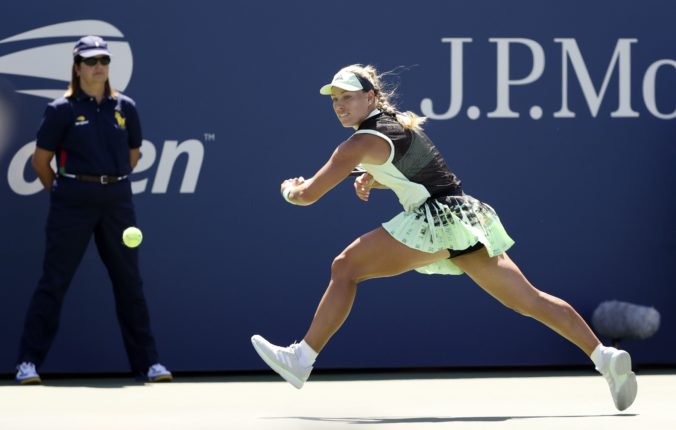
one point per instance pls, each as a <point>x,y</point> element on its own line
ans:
<point>91,61</point>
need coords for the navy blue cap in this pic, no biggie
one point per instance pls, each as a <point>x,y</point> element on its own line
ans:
<point>90,46</point>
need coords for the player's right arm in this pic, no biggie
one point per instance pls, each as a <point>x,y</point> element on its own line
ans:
<point>359,148</point>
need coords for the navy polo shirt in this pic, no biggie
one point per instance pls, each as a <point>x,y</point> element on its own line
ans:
<point>90,138</point>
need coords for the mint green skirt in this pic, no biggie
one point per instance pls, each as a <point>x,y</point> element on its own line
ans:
<point>452,222</point>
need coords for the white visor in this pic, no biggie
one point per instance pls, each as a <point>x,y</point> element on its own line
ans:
<point>347,81</point>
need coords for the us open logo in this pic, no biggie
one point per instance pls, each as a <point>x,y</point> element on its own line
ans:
<point>38,67</point>
<point>53,61</point>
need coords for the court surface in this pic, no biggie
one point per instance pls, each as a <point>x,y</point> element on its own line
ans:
<point>447,400</point>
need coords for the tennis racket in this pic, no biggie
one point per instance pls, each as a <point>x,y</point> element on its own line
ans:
<point>357,171</point>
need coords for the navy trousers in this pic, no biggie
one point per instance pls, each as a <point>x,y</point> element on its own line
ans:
<point>79,210</point>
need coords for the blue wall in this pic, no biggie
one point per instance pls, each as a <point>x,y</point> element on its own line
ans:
<point>586,190</point>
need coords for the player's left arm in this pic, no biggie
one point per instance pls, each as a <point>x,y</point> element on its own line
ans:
<point>360,148</point>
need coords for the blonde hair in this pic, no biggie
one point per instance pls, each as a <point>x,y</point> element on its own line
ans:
<point>385,96</point>
<point>74,88</point>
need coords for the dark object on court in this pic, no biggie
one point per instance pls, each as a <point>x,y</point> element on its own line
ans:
<point>625,321</point>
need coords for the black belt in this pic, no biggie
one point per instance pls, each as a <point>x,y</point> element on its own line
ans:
<point>104,179</point>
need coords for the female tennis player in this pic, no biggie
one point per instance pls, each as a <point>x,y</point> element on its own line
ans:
<point>441,231</point>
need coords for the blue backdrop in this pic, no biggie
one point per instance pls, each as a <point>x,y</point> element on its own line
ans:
<point>559,115</point>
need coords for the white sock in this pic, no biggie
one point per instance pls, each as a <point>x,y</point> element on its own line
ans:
<point>598,356</point>
<point>307,354</point>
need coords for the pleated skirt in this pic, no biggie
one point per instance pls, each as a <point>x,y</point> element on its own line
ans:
<point>451,222</point>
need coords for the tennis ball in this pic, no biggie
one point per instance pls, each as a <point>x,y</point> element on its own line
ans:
<point>132,237</point>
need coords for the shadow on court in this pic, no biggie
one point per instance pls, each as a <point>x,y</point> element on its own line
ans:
<point>78,383</point>
<point>84,383</point>
<point>420,420</point>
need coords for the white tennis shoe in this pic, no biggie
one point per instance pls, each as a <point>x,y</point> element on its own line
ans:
<point>283,360</point>
<point>621,379</point>
<point>159,373</point>
<point>26,374</point>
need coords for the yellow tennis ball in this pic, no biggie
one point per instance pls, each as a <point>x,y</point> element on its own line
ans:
<point>132,237</point>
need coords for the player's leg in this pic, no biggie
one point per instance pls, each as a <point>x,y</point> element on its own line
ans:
<point>373,255</point>
<point>500,277</point>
